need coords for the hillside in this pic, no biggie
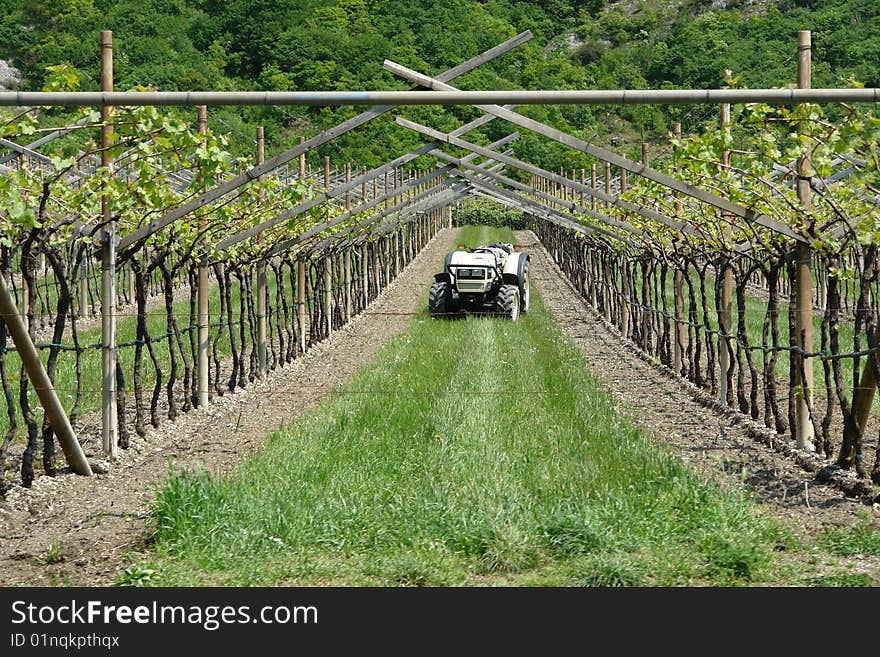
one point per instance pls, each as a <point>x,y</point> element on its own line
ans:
<point>340,44</point>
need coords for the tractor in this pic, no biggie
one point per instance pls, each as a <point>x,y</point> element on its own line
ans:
<point>492,279</point>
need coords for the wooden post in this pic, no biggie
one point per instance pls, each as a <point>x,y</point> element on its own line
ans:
<point>593,185</point>
<point>348,180</point>
<point>301,303</point>
<point>328,294</point>
<point>608,181</point>
<point>365,276</point>
<point>262,291</point>
<point>646,285</point>
<point>678,287</point>
<point>36,372</point>
<point>25,302</point>
<point>346,264</point>
<point>326,173</point>
<point>109,428</point>
<point>804,433</point>
<point>204,341</point>
<point>302,160</point>
<point>84,284</point>
<point>363,186</point>
<point>584,183</point>
<point>131,284</point>
<point>624,305</point>
<point>725,318</point>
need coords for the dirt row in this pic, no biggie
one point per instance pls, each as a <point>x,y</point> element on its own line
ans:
<point>81,531</point>
<point>717,445</point>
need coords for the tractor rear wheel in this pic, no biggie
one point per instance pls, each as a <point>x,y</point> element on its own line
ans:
<point>507,303</point>
<point>438,299</point>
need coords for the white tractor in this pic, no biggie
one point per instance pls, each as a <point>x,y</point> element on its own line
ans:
<point>488,279</point>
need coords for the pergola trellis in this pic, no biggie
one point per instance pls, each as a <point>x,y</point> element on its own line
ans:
<point>453,179</point>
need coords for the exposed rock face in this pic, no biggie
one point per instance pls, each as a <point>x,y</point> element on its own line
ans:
<point>10,77</point>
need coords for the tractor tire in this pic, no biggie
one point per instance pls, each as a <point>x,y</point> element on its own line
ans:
<point>524,293</point>
<point>507,303</point>
<point>438,300</point>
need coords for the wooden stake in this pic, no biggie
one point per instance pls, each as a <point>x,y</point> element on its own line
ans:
<point>262,288</point>
<point>583,182</point>
<point>328,294</point>
<point>725,318</point>
<point>365,276</point>
<point>348,180</point>
<point>301,303</point>
<point>36,372</point>
<point>84,285</point>
<point>204,319</point>
<point>109,428</point>
<point>608,181</point>
<point>593,185</point>
<point>804,433</point>
<point>624,305</point>
<point>680,339</point>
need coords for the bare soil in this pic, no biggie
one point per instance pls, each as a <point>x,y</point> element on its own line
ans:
<point>81,531</point>
<point>722,445</point>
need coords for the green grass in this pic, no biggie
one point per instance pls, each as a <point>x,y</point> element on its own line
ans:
<point>470,452</point>
<point>864,538</point>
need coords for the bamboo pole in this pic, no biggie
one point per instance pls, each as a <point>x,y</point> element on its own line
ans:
<point>302,159</point>
<point>109,428</point>
<point>36,372</point>
<point>262,291</point>
<point>804,432</point>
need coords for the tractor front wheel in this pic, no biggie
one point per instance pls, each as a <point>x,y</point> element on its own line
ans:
<point>507,303</point>
<point>438,300</point>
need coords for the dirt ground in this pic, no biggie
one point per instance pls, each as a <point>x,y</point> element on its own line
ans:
<point>722,446</point>
<point>81,531</point>
<point>77,531</point>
